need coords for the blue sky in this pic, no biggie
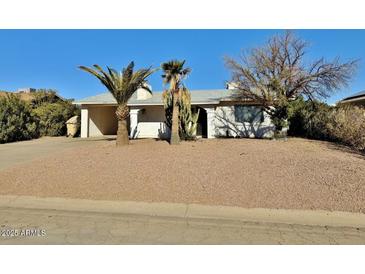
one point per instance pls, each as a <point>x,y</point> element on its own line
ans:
<point>49,58</point>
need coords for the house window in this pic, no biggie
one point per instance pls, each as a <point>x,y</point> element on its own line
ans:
<point>248,114</point>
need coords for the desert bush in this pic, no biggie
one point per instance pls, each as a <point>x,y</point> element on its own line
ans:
<point>279,116</point>
<point>17,122</point>
<point>347,126</point>
<point>53,117</point>
<point>296,117</point>
<point>309,119</point>
<point>317,120</point>
<point>53,112</point>
<point>317,116</point>
<point>42,96</point>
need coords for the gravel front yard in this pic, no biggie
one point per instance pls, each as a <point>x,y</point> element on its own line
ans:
<point>297,174</point>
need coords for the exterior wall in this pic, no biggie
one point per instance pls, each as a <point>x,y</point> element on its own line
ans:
<point>152,130</point>
<point>226,125</point>
<point>148,122</point>
<point>151,123</point>
<point>151,114</point>
<point>211,121</point>
<point>84,122</point>
<point>102,121</point>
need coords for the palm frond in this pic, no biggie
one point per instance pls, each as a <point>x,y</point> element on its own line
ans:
<point>174,69</point>
<point>97,75</point>
<point>121,85</point>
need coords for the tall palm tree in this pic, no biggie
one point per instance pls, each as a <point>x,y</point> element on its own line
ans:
<point>122,86</point>
<point>174,74</point>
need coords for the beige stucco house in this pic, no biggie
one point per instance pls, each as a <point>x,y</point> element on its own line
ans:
<point>222,114</point>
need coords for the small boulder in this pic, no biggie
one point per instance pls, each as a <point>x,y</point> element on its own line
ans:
<point>73,125</point>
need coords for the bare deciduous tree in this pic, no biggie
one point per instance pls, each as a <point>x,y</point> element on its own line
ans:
<point>275,74</point>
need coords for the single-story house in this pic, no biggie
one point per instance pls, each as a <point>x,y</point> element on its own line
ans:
<point>355,99</point>
<point>222,114</point>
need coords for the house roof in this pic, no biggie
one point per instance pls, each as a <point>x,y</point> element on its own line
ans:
<point>197,97</point>
<point>357,96</point>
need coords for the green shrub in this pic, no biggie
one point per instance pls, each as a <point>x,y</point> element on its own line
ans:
<point>45,115</point>
<point>42,96</point>
<point>309,119</point>
<point>53,112</point>
<point>17,122</point>
<point>279,118</point>
<point>53,117</point>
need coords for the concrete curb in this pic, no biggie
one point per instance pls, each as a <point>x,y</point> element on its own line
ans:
<point>197,211</point>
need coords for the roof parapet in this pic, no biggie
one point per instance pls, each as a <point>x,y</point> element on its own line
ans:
<point>143,93</point>
<point>26,90</point>
<point>231,85</point>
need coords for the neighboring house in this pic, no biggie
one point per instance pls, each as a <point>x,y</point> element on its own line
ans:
<point>222,114</point>
<point>355,99</point>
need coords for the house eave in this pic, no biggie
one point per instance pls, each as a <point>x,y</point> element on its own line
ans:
<point>140,104</point>
<point>93,103</point>
<point>353,99</point>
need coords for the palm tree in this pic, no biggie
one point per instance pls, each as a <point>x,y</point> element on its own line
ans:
<point>122,86</point>
<point>174,74</point>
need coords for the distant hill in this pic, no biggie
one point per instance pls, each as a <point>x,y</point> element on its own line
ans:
<point>26,96</point>
<point>23,96</point>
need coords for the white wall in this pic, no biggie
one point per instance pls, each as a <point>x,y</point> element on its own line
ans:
<point>102,121</point>
<point>151,123</point>
<point>225,124</point>
<point>152,130</point>
<point>151,114</point>
<point>84,122</point>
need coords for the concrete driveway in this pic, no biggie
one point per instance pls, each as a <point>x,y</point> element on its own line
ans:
<point>20,152</point>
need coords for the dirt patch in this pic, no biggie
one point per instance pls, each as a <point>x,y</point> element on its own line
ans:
<point>297,174</point>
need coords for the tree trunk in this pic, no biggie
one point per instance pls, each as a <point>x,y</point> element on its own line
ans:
<point>122,133</point>
<point>122,114</point>
<point>175,138</point>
